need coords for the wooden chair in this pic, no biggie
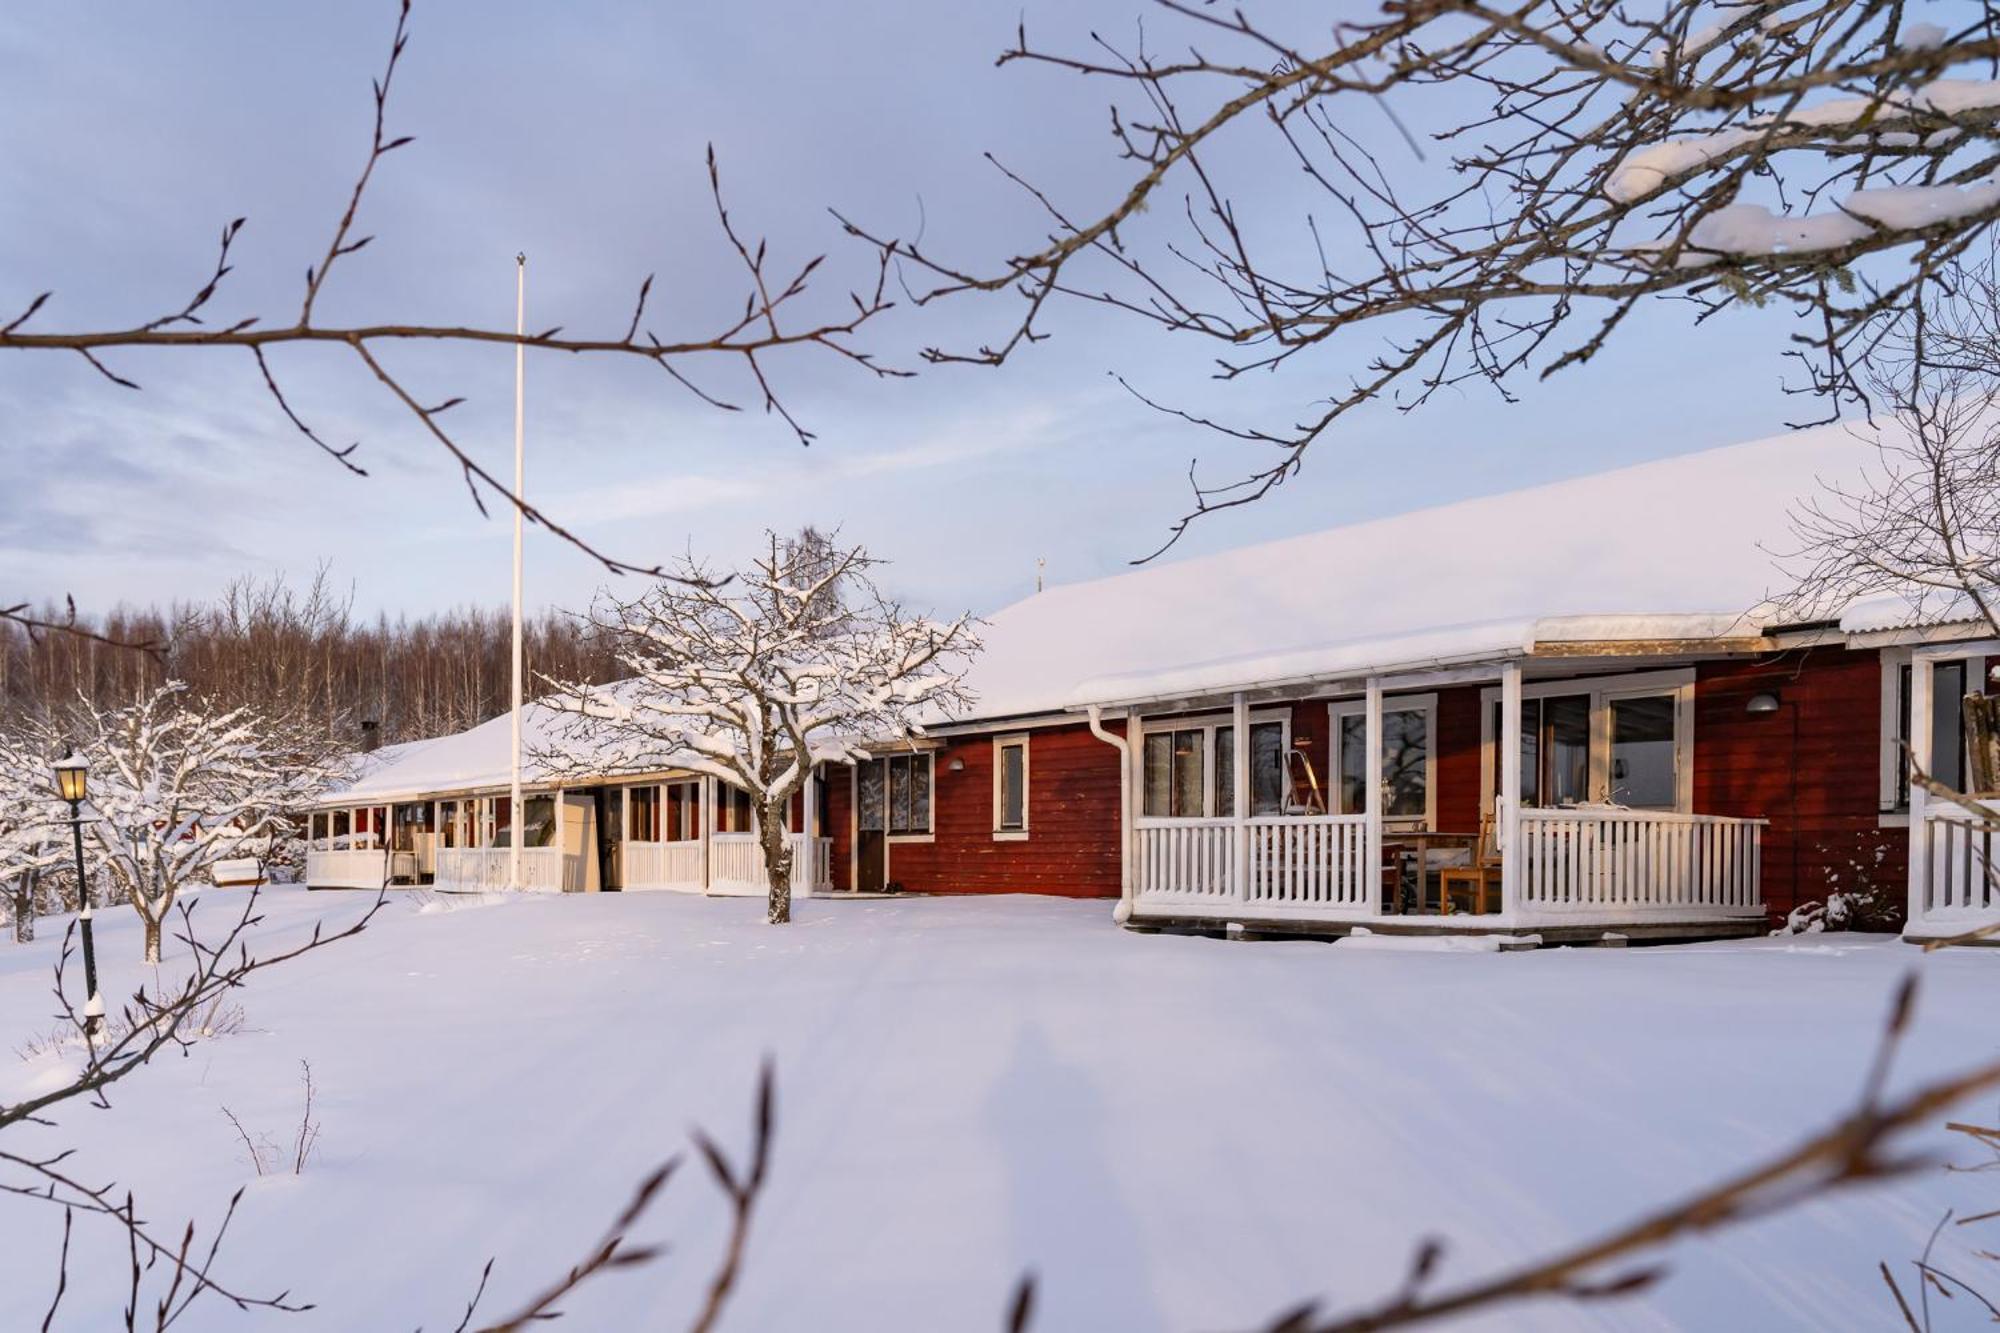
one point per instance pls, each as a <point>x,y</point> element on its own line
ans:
<point>1475,880</point>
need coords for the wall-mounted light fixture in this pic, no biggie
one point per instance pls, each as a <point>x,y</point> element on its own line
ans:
<point>957,764</point>
<point>1766,702</point>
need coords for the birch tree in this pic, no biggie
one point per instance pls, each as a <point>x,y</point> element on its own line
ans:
<point>177,785</point>
<point>797,660</point>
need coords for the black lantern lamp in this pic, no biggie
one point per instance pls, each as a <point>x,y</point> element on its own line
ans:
<point>73,784</point>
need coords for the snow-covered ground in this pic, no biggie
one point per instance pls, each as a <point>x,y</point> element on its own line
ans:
<point>1173,1133</point>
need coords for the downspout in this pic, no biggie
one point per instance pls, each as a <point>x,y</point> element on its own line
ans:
<point>1123,912</point>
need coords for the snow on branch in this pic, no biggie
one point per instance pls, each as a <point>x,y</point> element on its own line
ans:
<point>1826,157</point>
<point>797,660</point>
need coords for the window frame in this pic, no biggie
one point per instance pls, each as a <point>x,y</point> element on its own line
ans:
<point>1208,724</point>
<point>1896,675</point>
<point>1601,690</point>
<point>1391,703</point>
<point>889,831</point>
<point>1002,832</point>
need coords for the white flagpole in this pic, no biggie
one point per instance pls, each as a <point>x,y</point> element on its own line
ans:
<point>516,821</point>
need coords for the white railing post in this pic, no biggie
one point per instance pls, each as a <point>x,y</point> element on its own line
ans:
<point>1134,774</point>
<point>1371,797</point>
<point>1507,817</point>
<point>1239,797</point>
<point>810,829</point>
<point>1920,742</point>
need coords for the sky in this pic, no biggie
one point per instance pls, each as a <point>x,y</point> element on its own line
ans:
<point>576,134</point>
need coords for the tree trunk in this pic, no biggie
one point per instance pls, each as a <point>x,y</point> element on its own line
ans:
<point>24,908</point>
<point>777,862</point>
<point>152,940</point>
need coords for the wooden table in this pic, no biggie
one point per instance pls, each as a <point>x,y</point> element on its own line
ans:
<point>1418,844</point>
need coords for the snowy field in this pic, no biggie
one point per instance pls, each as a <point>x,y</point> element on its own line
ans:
<point>1173,1133</point>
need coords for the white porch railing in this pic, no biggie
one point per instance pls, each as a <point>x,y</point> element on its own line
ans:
<point>1576,867</point>
<point>1187,860</point>
<point>346,868</point>
<point>1635,864</point>
<point>662,865</point>
<point>1312,861</point>
<point>736,865</point>
<point>544,868</point>
<point>1956,892</point>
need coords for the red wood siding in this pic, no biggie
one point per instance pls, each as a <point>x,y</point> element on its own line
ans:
<point>1072,843</point>
<point>1458,759</point>
<point>1812,768</point>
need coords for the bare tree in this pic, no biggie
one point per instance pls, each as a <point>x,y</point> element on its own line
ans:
<point>1923,525</point>
<point>1827,157</point>
<point>798,660</point>
<point>177,786</point>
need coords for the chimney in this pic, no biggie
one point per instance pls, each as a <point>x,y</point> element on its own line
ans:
<point>371,735</point>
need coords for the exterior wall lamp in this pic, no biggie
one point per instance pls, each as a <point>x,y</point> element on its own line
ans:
<point>1765,702</point>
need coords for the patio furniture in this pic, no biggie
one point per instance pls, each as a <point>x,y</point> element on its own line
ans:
<point>1475,880</point>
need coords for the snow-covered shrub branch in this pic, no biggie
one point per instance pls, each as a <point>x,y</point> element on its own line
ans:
<point>1823,156</point>
<point>798,659</point>
<point>33,839</point>
<point>177,785</point>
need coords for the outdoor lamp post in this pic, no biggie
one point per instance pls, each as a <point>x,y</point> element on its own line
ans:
<point>72,780</point>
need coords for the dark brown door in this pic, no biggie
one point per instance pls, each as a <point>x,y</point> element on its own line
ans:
<point>871,843</point>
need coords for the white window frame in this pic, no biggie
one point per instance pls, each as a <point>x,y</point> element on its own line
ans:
<point>1391,703</point>
<point>1208,724</point>
<point>1001,744</point>
<point>1895,661</point>
<point>1602,690</point>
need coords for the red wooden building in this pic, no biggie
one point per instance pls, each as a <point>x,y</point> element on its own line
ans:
<point>1578,710</point>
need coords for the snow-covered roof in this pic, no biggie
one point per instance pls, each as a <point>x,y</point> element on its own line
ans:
<point>1676,548</point>
<point>1680,549</point>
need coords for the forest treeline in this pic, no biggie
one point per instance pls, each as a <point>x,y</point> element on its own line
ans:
<point>300,652</point>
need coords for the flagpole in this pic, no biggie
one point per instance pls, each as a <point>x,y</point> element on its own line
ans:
<point>517,823</point>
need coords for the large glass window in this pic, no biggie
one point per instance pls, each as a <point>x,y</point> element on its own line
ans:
<point>1644,772</point>
<point>1174,763</point>
<point>1947,728</point>
<point>1555,749</point>
<point>502,832</point>
<point>1406,747</point>
<point>1267,772</point>
<point>318,834</point>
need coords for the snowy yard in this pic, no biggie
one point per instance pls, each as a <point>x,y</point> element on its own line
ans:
<point>1174,1133</point>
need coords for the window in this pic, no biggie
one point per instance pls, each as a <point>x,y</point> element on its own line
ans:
<point>1189,768</point>
<point>909,784</point>
<point>447,817</point>
<point>681,821</point>
<point>1951,680</point>
<point>1407,748</point>
<point>538,821</point>
<point>642,814</point>
<point>318,834</point>
<point>1010,786</point>
<point>340,825</point>
<point>1618,740</point>
<point>501,831</point>
<point>732,810</point>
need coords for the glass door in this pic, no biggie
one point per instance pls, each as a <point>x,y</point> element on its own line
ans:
<point>1643,772</point>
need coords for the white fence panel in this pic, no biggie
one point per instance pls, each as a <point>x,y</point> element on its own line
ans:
<point>1632,864</point>
<point>345,868</point>
<point>1315,861</point>
<point>662,865</point>
<point>1187,860</point>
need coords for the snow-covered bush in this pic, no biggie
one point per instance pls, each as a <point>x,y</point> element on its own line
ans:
<point>33,841</point>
